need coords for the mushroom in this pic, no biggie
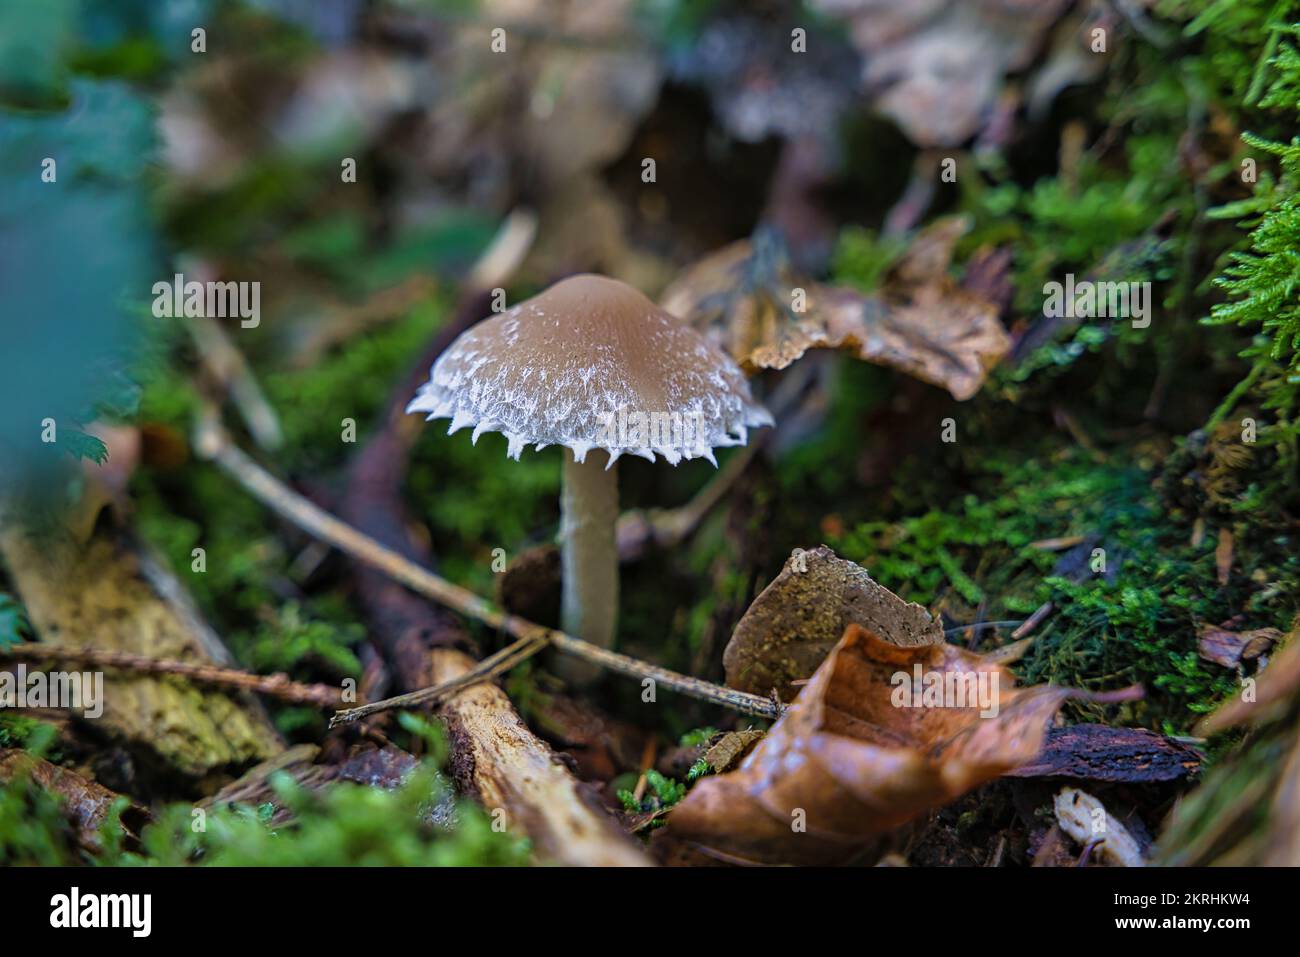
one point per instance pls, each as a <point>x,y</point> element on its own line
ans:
<point>593,365</point>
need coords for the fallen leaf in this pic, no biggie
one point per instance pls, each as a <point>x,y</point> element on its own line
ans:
<point>845,764</point>
<point>794,623</point>
<point>936,67</point>
<point>731,747</point>
<point>747,298</point>
<point>1232,648</point>
<point>1272,691</point>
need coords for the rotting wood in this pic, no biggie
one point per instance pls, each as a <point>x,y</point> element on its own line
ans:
<point>110,593</point>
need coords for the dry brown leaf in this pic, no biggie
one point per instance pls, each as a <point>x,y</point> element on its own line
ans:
<point>921,322</point>
<point>1271,692</point>
<point>936,67</point>
<point>844,764</point>
<point>731,747</point>
<point>1231,648</point>
<point>795,622</point>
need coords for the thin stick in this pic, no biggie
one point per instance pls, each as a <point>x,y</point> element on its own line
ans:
<point>1033,621</point>
<point>212,442</point>
<point>277,685</point>
<point>982,626</point>
<point>231,371</point>
<point>1011,653</point>
<point>496,664</point>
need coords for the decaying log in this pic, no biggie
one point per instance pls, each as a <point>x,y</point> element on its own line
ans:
<point>85,803</point>
<point>110,594</point>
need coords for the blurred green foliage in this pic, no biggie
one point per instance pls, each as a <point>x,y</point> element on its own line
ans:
<point>13,621</point>
<point>417,824</point>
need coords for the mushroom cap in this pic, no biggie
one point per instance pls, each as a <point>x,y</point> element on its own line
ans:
<point>592,363</point>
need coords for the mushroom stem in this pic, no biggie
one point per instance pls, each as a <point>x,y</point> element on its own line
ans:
<point>589,552</point>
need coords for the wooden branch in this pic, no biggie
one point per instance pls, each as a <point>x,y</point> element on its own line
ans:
<point>496,756</point>
<point>277,685</point>
<point>212,442</point>
<point>485,670</point>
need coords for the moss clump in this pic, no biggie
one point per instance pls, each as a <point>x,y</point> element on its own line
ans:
<point>1132,622</point>
<point>664,792</point>
<point>344,825</point>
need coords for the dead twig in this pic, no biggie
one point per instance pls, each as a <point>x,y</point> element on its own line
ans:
<point>276,685</point>
<point>487,669</point>
<point>231,374</point>
<point>1033,621</point>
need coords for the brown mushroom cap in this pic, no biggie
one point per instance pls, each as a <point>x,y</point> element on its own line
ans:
<point>579,365</point>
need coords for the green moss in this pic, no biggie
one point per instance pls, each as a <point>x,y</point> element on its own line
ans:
<point>697,737</point>
<point>344,825</point>
<point>862,257</point>
<point>1134,623</point>
<point>20,731</point>
<point>663,792</point>
<point>353,382</point>
<point>1262,282</point>
<point>475,499</point>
